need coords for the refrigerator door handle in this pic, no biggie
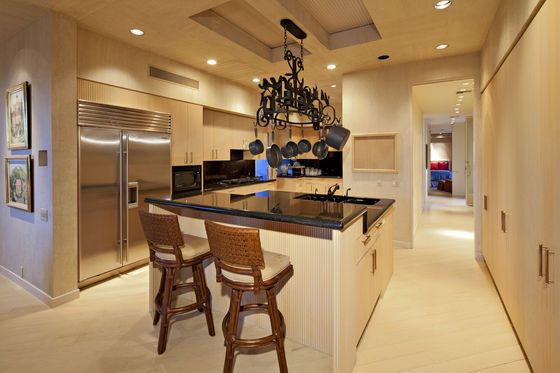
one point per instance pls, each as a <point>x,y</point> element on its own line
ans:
<point>124,204</point>
<point>120,237</point>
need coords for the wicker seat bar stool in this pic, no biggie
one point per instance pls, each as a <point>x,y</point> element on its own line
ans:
<point>172,250</point>
<point>242,265</point>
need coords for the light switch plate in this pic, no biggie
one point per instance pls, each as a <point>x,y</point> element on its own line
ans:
<point>43,160</point>
<point>44,214</point>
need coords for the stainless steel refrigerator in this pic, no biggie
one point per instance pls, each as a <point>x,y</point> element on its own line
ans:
<point>124,158</point>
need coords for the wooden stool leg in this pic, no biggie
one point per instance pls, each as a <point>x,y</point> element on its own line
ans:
<point>234,307</point>
<point>197,288</point>
<point>277,330</point>
<point>207,299</point>
<point>157,300</point>
<point>166,305</point>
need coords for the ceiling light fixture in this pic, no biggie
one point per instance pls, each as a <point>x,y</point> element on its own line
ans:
<point>383,57</point>
<point>256,80</point>
<point>466,83</point>
<point>333,85</point>
<point>331,66</point>
<point>442,46</point>
<point>136,32</point>
<point>211,61</point>
<point>440,5</point>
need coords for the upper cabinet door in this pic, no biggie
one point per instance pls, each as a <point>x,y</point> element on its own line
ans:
<point>195,135</point>
<point>179,155</point>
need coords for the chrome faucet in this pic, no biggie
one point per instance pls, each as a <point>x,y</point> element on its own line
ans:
<point>332,191</point>
<point>347,190</point>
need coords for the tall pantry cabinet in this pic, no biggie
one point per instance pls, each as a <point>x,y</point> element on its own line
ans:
<point>521,169</point>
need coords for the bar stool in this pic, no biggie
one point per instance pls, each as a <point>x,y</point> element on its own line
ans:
<point>172,250</point>
<point>242,265</point>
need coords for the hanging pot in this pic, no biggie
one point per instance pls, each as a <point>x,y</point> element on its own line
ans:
<point>273,154</point>
<point>337,137</point>
<point>320,149</point>
<point>303,145</point>
<point>291,148</point>
<point>256,147</point>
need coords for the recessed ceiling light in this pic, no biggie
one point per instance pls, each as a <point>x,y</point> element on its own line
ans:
<point>440,5</point>
<point>466,83</point>
<point>461,97</point>
<point>256,80</point>
<point>457,104</point>
<point>442,46</point>
<point>331,66</point>
<point>383,57</point>
<point>333,85</point>
<point>136,31</point>
<point>211,62</point>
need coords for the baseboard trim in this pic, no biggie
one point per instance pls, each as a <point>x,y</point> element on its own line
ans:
<point>402,244</point>
<point>38,293</point>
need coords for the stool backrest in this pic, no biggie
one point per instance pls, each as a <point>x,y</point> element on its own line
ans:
<point>236,250</point>
<point>162,233</point>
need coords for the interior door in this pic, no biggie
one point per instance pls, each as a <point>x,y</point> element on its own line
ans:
<point>99,199</point>
<point>149,175</point>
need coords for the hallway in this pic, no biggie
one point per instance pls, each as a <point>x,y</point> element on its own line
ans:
<point>441,312</point>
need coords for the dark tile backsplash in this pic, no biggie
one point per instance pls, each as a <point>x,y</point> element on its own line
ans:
<point>330,166</point>
<point>215,171</point>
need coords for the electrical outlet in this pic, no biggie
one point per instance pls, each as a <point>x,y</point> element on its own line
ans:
<point>44,214</point>
<point>21,271</point>
<point>379,183</point>
<point>396,184</point>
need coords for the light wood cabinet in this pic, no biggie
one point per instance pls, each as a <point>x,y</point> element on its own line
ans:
<point>225,131</point>
<point>521,181</point>
<point>187,135</point>
<point>309,184</point>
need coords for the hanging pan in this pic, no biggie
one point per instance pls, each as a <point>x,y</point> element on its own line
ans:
<point>256,147</point>
<point>273,154</point>
<point>304,146</point>
<point>291,148</point>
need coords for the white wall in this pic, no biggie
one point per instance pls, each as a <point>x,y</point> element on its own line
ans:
<point>441,151</point>
<point>27,241</point>
<point>380,100</point>
<point>459,142</point>
<point>417,161</point>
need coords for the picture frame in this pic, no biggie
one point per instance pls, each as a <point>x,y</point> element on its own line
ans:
<point>19,182</point>
<point>17,117</point>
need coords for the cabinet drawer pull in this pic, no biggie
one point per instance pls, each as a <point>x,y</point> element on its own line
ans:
<point>192,158</point>
<point>372,262</point>
<point>380,224</point>
<point>366,241</point>
<point>547,279</point>
<point>375,260</point>
<point>503,221</point>
<point>541,251</point>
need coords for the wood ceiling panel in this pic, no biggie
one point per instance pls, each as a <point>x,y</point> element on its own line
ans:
<point>336,15</point>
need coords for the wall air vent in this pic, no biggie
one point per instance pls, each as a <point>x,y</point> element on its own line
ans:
<point>173,78</point>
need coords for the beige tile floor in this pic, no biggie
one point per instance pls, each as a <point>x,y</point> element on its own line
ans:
<point>439,314</point>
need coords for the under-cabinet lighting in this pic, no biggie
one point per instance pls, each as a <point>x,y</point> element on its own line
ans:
<point>440,5</point>
<point>136,31</point>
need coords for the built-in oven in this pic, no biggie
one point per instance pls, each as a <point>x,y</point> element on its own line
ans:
<point>186,180</point>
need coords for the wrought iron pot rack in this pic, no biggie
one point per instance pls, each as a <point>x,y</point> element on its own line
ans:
<point>286,101</point>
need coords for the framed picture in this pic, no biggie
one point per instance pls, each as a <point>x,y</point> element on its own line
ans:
<point>17,118</point>
<point>19,182</point>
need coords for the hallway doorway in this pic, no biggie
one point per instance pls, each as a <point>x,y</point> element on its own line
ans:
<point>446,110</point>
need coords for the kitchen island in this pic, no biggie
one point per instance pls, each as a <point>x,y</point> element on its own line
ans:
<point>342,255</point>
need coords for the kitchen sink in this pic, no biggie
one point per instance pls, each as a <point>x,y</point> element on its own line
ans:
<point>339,199</point>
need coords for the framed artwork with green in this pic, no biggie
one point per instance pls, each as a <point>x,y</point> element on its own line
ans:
<point>17,117</point>
<point>19,182</point>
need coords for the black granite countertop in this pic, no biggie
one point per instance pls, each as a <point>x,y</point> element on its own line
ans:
<point>280,206</point>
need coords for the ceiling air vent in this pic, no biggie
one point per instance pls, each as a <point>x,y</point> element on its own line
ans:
<point>173,78</point>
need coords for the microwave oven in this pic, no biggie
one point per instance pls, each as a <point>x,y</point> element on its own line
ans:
<point>186,180</point>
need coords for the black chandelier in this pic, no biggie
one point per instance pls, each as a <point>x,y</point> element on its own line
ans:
<point>286,101</point>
